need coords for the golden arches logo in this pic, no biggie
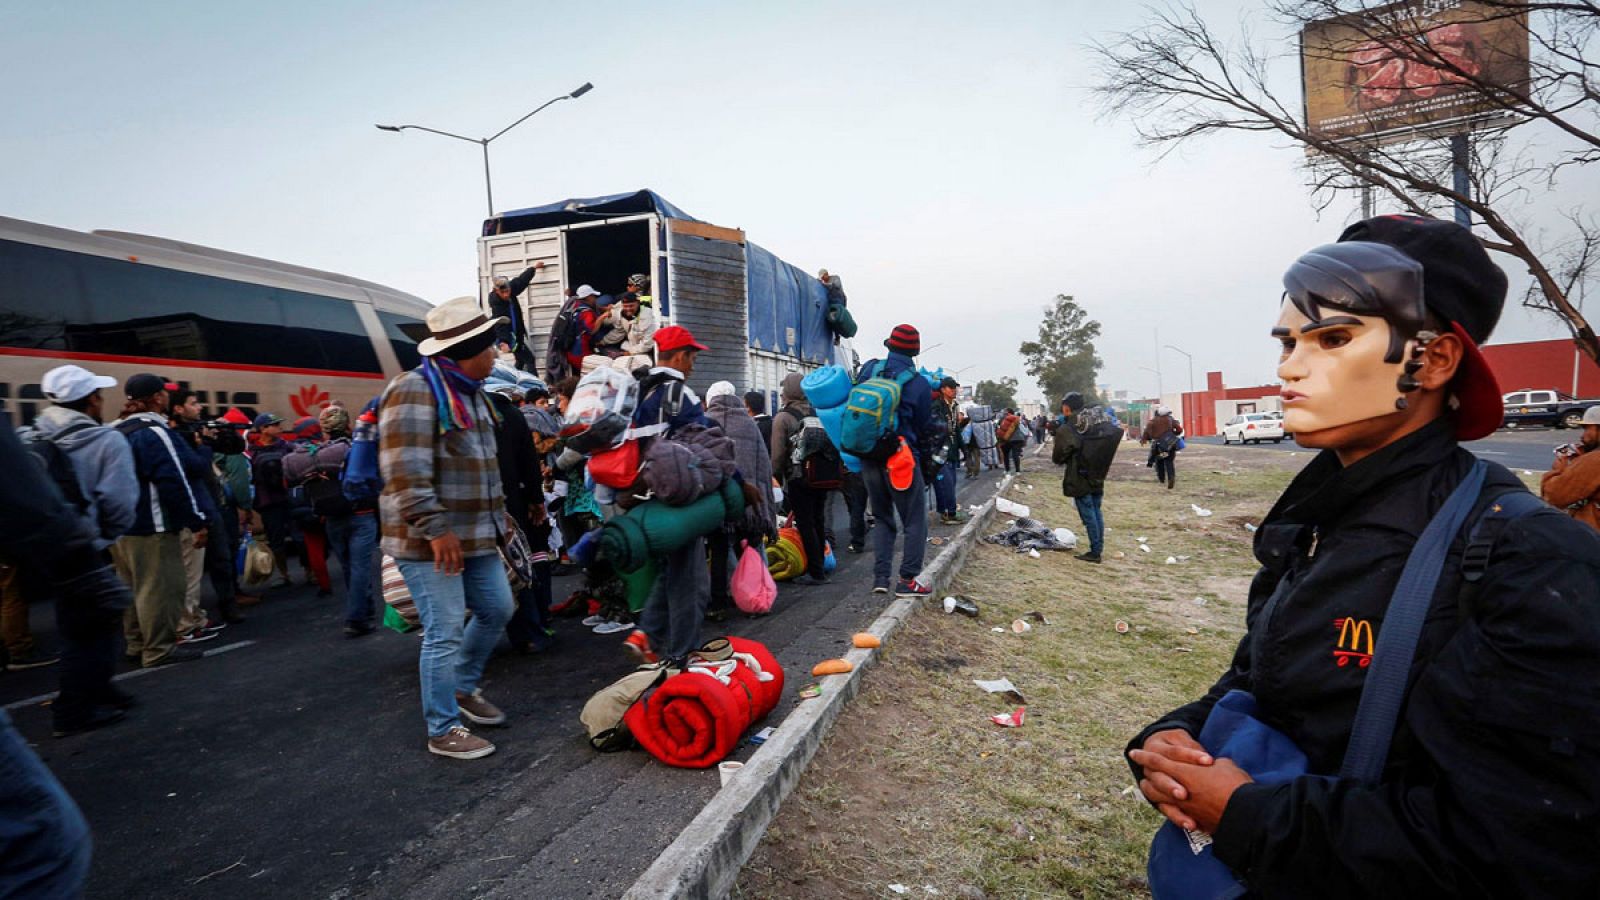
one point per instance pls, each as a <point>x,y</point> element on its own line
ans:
<point>1355,642</point>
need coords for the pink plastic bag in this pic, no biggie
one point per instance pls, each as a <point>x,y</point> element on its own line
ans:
<point>752,586</point>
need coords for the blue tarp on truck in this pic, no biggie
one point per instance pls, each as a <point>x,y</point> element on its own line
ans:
<point>787,307</point>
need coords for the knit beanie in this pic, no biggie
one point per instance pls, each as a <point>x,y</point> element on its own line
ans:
<point>905,339</point>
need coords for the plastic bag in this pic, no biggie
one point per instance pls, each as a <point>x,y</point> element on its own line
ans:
<point>752,585</point>
<point>602,393</point>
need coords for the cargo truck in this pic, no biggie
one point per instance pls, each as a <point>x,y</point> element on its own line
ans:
<point>762,317</point>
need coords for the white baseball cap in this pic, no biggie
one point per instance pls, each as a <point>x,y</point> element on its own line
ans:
<point>64,384</point>
<point>585,292</point>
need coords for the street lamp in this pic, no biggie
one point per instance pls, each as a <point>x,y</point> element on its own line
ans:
<point>582,89</point>
<point>1191,365</point>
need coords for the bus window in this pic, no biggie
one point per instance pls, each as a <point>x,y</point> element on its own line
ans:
<point>405,349</point>
<point>39,297</point>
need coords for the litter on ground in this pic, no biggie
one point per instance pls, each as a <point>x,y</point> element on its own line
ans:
<point>1010,508</point>
<point>1033,554</point>
<point>998,630</point>
<point>1026,534</point>
<point>1020,627</point>
<point>1172,560</point>
<point>1122,627</point>
<point>1037,617</point>
<point>1200,510</point>
<point>1250,527</point>
<point>899,888</point>
<point>1199,601</point>
<point>811,692</point>
<point>1010,719</point>
<point>963,605</point>
<point>1145,547</point>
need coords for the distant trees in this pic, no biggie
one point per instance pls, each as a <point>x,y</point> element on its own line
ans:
<point>1000,394</point>
<point>1063,358</point>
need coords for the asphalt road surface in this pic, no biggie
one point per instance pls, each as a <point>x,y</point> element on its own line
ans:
<point>290,762</point>
<point>1528,449</point>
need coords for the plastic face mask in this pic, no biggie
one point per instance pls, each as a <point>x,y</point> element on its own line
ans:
<point>1333,369</point>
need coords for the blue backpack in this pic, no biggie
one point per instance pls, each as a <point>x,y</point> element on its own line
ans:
<point>871,415</point>
<point>360,480</point>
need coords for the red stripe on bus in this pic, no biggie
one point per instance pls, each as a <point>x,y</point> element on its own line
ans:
<point>163,362</point>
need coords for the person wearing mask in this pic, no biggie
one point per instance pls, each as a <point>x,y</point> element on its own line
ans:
<point>442,509</point>
<point>1444,716</point>
<point>1162,433</point>
<point>149,556</point>
<point>914,422</point>
<point>512,337</point>
<point>103,498</point>
<point>947,415</point>
<point>806,502</point>
<point>1573,482</point>
<point>1086,442</point>
<point>670,621</point>
<point>725,408</point>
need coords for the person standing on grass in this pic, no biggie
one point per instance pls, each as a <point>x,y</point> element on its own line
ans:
<point>1086,443</point>
<point>442,511</point>
<point>1481,778</point>
<point>1162,433</point>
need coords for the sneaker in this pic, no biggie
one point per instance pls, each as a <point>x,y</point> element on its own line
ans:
<point>197,636</point>
<point>857,547</point>
<point>574,602</point>
<point>98,718</point>
<point>33,660</point>
<point>593,620</point>
<point>1087,557</point>
<point>612,626</point>
<point>637,646</point>
<point>177,655</point>
<point>881,587</point>
<point>811,580</point>
<point>358,629</point>
<point>479,711</point>
<point>955,518</point>
<point>910,587</point>
<point>459,743</point>
<point>212,625</point>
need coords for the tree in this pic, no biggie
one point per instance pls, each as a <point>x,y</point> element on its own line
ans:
<point>1176,79</point>
<point>1063,357</point>
<point>1000,394</point>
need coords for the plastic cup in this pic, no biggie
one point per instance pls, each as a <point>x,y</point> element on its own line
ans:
<point>726,771</point>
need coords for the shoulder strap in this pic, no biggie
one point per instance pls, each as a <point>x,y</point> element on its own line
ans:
<point>74,428</point>
<point>1502,511</point>
<point>1385,688</point>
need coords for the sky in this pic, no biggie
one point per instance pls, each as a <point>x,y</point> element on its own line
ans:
<point>948,160</point>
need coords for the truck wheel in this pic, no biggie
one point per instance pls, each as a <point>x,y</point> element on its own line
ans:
<point>1572,419</point>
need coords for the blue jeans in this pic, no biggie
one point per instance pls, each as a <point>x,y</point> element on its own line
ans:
<point>453,656</point>
<point>677,603</point>
<point>44,841</point>
<point>910,505</point>
<point>354,540</point>
<point>944,489</point>
<point>1093,522</point>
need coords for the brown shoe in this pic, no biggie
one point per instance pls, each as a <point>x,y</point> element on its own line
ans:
<point>459,743</point>
<point>479,711</point>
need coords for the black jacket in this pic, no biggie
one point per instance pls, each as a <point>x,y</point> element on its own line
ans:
<point>512,331</point>
<point>1086,444</point>
<point>521,476</point>
<point>1492,787</point>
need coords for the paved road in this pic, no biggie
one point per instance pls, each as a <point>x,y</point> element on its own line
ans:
<point>1528,449</point>
<point>290,763</point>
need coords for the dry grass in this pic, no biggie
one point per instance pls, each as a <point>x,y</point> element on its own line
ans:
<point>915,786</point>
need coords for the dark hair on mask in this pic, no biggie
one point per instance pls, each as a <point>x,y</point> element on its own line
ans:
<point>1362,278</point>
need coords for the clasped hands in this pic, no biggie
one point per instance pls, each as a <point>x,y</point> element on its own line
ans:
<point>1188,785</point>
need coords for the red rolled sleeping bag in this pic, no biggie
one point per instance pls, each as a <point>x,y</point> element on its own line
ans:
<point>694,721</point>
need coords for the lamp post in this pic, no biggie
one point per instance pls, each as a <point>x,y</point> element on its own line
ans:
<point>488,189</point>
<point>1191,365</point>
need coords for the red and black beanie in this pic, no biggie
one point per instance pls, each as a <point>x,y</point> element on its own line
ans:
<point>905,339</point>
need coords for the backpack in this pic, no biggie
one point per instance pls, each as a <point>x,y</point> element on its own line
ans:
<point>871,415</point>
<point>814,460</point>
<point>563,332</point>
<point>58,465</point>
<point>679,473</point>
<point>602,715</point>
<point>1007,428</point>
<point>360,479</point>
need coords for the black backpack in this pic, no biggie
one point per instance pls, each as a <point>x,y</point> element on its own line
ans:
<point>58,467</point>
<point>816,461</point>
<point>563,332</point>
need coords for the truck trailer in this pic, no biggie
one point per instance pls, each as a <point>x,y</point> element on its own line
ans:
<point>762,317</point>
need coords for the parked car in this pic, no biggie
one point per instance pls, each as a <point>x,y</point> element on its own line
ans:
<point>1253,428</point>
<point>1529,407</point>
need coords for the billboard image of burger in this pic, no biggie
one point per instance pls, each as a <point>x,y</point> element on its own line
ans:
<point>1411,67</point>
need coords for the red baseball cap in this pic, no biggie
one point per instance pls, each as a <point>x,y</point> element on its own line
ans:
<point>676,337</point>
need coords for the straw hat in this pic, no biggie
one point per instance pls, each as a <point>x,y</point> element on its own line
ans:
<point>454,321</point>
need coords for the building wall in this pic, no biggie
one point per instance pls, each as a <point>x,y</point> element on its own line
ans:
<point>1201,411</point>
<point>1543,365</point>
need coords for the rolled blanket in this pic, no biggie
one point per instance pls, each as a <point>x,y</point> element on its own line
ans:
<point>653,529</point>
<point>695,718</point>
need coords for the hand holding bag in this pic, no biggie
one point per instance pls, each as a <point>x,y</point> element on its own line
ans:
<point>516,553</point>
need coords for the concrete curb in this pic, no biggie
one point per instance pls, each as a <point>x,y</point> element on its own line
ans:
<point>705,859</point>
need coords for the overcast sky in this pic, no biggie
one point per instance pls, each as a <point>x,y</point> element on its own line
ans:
<point>947,159</point>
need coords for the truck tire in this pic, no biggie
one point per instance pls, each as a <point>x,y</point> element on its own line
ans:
<point>1573,419</point>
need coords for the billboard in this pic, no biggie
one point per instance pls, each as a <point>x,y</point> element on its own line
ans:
<point>1372,75</point>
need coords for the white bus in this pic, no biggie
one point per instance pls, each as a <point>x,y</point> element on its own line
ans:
<point>244,332</point>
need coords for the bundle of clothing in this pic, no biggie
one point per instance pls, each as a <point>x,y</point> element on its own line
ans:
<point>696,717</point>
<point>1026,534</point>
<point>983,431</point>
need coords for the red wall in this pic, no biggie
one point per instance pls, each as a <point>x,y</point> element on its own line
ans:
<point>1199,413</point>
<point>1541,365</point>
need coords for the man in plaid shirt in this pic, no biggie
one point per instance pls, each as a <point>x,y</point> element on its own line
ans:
<point>443,511</point>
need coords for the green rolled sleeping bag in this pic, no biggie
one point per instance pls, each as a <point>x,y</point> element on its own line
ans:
<point>840,321</point>
<point>639,582</point>
<point>653,529</point>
